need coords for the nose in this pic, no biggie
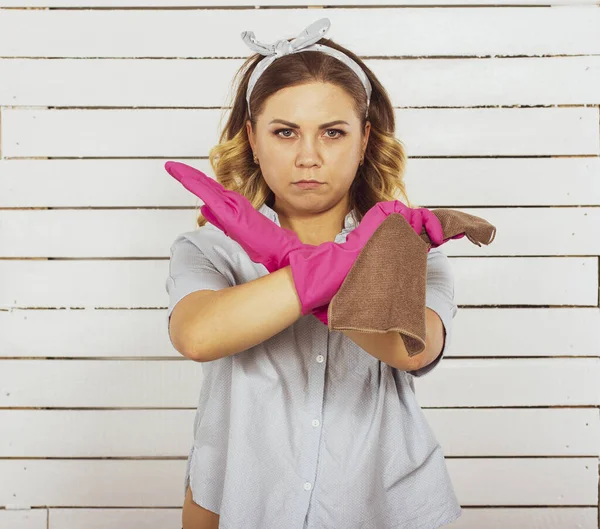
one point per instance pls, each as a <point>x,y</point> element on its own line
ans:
<point>308,154</point>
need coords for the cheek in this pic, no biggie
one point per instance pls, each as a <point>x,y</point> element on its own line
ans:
<point>345,167</point>
<point>273,179</point>
<point>344,157</point>
<point>345,181</point>
<point>276,156</point>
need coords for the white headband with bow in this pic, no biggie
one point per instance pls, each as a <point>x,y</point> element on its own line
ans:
<point>305,41</point>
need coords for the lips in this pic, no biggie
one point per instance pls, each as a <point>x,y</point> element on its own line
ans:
<point>308,185</point>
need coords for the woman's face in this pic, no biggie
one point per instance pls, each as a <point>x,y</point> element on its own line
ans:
<point>308,132</point>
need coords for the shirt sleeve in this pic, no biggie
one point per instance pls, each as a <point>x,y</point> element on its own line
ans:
<point>190,270</point>
<point>440,298</point>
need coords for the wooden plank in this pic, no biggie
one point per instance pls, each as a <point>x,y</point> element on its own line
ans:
<point>129,433</point>
<point>141,283</point>
<point>511,382</point>
<point>24,519</point>
<point>463,432</point>
<point>114,333</point>
<point>519,518</point>
<point>100,383</point>
<point>454,82</point>
<point>505,481</point>
<point>153,483</point>
<point>100,483</point>
<point>526,332</point>
<point>175,384</point>
<point>525,181</point>
<point>88,333</point>
<point>472,518</point>
<point>411,31</point>
<point>505,432</point>
<point>526,281</point>
<point>182,133</point>
<point>160,518</point>
<point>84,284</point>
<point>278,3</point>
<point>431,182</point>
<point>123,233</point>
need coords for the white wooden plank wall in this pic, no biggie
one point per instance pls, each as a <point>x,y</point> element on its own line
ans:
<point>498,106</point>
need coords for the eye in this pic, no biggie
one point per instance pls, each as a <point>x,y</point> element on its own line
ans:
<point>339,131</point>
<point>280,130</point>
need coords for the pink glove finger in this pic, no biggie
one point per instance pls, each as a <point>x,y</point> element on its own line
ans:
<point>204,187</point>
<point>213,194</point>
<point>433,227</point>
<point>416,220</point>
<point>457,236</point>
<point>210,217</point>
<point>381,210</point>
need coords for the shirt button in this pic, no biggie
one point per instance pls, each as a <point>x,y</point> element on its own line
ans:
<point>307,486</point>
<point>315,422</point>
<point>320,358</point>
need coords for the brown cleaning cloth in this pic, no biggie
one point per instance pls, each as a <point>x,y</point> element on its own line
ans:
<point>385,289</point>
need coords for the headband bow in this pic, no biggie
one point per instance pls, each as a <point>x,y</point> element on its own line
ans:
<point>310,35</point>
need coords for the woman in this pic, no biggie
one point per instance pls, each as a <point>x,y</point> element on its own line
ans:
<point>298,426</point>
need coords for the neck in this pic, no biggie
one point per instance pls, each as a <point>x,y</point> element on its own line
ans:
<point>314,228</point>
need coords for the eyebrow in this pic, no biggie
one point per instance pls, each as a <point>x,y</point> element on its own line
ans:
<point>323,126</point>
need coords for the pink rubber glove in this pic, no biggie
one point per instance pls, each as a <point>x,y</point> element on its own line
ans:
<point>262,239</point>
<point>319,272</point>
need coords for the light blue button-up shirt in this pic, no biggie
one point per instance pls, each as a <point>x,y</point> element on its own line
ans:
<point>307,430</point>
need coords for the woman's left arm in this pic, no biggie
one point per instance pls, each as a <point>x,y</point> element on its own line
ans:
<point>389,347</point>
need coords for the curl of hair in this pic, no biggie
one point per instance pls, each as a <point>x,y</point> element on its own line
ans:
<point>379,179</point>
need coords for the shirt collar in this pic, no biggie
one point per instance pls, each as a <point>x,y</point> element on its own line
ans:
<point>350,221</point>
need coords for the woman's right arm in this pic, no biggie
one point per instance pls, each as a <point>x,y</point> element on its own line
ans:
<point>224,322</point>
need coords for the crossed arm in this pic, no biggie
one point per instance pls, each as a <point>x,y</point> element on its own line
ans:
<point>389,347</point>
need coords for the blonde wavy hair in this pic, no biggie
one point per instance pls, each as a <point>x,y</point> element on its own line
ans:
<point>380,178</point>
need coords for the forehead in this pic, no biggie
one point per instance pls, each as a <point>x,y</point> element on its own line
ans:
<point>310,104</point>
